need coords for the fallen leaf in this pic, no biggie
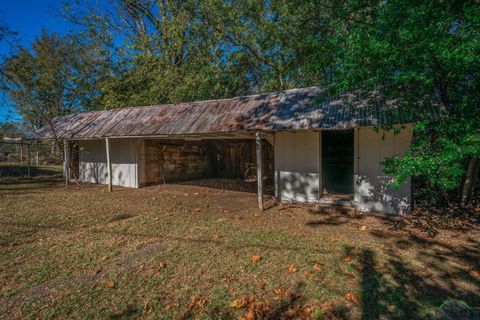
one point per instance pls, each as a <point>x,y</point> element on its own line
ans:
<point>199,302</point>
<point>162,265</point>
<point>327,307</point>
<point>239,303</point>
<point>347,259</point>
<point>363,228</point>
<point>474,273</point>
<point>171,305</point>
<point>250,314</point>
<point>291,268</point>
<point>197,209</point>
<point>307,273</point>
<point>391,308</point>
<point>97,271</point>
<point>317,267</point>
<point>307,309</point>
<point>147,307</point>
<point>280,291</point>
<point>110,284</point>
<point>351,298</point>
<point>256,258</point>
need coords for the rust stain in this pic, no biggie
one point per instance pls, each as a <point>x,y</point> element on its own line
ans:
<point>288,110</point>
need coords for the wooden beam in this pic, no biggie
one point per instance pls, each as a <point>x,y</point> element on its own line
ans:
<point>66,161</point>
<point>29,161</point>
<point>258,140</point>
<point>109,164</point>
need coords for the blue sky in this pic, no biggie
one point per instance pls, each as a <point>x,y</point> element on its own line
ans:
<point>27,18</point>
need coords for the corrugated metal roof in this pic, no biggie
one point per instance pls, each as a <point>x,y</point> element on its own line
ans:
<point>288,110</point>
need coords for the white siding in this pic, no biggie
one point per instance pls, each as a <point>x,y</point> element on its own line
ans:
<point>372,191</point>
<point>298,174</point>
<point>123,154</point>
<point>297,161</point>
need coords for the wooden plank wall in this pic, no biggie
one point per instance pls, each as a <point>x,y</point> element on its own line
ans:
<point>177,160</point>
<point>232,158</point>
<point>174,161</point>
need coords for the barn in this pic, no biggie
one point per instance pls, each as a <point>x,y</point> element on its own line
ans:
<point>311,148</point>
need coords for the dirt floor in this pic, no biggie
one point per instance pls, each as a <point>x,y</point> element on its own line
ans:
<point>190,251</point>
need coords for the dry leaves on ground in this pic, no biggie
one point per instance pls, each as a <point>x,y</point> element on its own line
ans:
<point>351,298</point>
<point>474,273</point>
<point>256,258</point>
<point>291,268</point>
<point>239,303</point>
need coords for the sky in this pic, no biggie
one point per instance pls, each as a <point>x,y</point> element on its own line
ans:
<point>28,18</point>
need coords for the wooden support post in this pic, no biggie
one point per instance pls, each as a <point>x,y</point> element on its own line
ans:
<point>109,164</point>
<point>258,143</point>
<point>36,153</point>
<point>66,161</point>
<point>21,152</point>
<point>29,161</point>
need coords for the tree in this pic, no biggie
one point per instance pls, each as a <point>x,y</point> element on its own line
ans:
<point>55,77</point>
<point>425,55</point>
<point>165,56</point>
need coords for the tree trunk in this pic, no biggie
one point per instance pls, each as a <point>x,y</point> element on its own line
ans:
<point>468,183</point>
<point>475,178</point>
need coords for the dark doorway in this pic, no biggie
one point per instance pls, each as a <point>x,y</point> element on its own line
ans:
<point>337,161</point>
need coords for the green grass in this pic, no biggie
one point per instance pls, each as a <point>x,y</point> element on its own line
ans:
<point>180,251</point>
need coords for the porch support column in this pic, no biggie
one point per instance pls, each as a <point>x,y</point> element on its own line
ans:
<point>29,161</point>
<point>258,143</point>
<point>66,161</point>
<point>109,164</point>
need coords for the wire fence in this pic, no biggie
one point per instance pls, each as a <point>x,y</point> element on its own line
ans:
<point>19,157</point>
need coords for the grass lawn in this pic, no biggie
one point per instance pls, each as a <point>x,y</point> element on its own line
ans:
<point>189,252</point>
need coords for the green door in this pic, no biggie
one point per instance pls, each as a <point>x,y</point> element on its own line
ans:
<point>337,161</point>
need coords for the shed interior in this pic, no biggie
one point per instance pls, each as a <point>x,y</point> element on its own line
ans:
<point>175,160</point>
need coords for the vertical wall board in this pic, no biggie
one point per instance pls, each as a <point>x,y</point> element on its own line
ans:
<point>297,165</point>
<point>372,185</point>
<point>93,167</point>
<point>93,161</point>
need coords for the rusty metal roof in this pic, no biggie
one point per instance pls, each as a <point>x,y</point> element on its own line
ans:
<point>288,110</point>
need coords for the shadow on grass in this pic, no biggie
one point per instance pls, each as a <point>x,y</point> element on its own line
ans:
<point>238,185</point>
<point>129,312</point>
<point>13,178</point>
<point>398,290</point>
<point>21,170</point>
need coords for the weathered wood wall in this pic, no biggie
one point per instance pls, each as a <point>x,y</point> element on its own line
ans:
<point>166,161</point>
<point>233,158</point>
<point>177,160</point>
